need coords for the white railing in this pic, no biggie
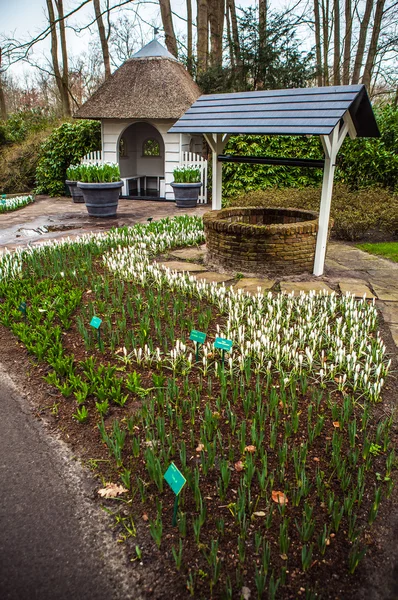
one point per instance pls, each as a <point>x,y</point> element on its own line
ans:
<point>195,160</point>
<point>92,158</point>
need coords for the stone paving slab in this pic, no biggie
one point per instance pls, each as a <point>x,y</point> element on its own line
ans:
<point>212,276</point>
<point>305,286</point>
<point>394,333</point>
<point>190,253</point>
<point>390,311</point>
<point>388,294</point>
<point>356,287</point>
<point>251,284</point>
<point>177,265</point>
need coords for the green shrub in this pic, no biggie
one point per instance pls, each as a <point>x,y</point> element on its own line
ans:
<point>21,124</point>
<point>360,163</point>
<point>19,163</point>
<point>65,146</point>
<point>355,213</point>
<point>106,173</point>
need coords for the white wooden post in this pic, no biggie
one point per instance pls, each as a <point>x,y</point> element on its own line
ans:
<point>331,145</point>
<point>217,142</point>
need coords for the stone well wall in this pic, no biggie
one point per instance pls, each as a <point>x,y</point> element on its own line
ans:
<point>261,240</point>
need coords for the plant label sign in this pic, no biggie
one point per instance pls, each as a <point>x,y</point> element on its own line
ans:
<point>197,336</point>
<point>96,322</point>
<point>22,308</point>
<point>175,479</point>
<point>223,344</point>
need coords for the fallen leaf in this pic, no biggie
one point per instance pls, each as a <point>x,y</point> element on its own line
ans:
<point>145,517</point>
<point>111,490</point>
<point>336,424</point>
<point>250,449</point>
<point>259,513</point>
<point>283,556</point>
<point>239,466</point>
<point>246,593</point>
<point>279,497</point>
<point>200,448</point>
<point>316,459</point>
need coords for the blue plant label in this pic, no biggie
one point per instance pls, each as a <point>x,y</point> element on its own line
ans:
<point>175,479</point>
<point>223,344</point>
<point>197,336</point>
<point>96,322</point>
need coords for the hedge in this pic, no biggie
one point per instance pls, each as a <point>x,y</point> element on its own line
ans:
<point>66,146</point>
<point>356,214</point>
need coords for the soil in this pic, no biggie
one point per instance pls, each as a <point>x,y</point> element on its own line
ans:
<point>375,578</point>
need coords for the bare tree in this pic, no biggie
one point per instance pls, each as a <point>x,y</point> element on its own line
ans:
<point>189,37</point>
<point>347,42</point>
<point>318,47</point>
<point>202,48</point>
<point>363,32</point>
<point>3,108</point>
<point>167,20</point>
<point>60,80</point>
<point>336,43</point>
<point>104,37</point>
<point>367,73</point>
<point>216,11</point>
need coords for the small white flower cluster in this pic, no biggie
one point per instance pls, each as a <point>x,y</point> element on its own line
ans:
<point>328,336</point>
<point>8,204</point>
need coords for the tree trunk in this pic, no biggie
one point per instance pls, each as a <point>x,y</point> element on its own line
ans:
<point>103,38</point>
<point>230,42</point>
<point>167,20</point>
<point>347,42</point>
<point>367,73</point>
<point>203,35</point>
<point>235,38</point>
<point>318,47</point>
<point>363,31</point>
<point>262,38</point>
<point>336,42</point>
<point>54,57</point>
<point>64,52</point>
<point>216,22</point>
<point>3,108</point>
<point>189,37</point>
<point>325,28</point>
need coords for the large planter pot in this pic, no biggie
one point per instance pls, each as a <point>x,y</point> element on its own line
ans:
<point>75,192</point>
<point>186,194</point>
<point>101,198</point>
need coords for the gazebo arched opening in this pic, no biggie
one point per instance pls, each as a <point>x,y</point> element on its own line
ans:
<point>141,157</point>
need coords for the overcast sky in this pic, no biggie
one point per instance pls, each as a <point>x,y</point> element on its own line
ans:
<point>24,19</point>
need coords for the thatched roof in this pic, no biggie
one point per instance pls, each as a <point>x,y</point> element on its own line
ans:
<point>150,85</point>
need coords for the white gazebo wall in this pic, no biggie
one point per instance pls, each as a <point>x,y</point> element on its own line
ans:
<point>112,130</point>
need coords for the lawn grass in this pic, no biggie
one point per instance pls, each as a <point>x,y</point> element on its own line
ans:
<point>284,442</point>
<point>385,249</point>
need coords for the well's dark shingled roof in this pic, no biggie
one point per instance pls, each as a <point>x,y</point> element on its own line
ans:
<point>150,85</point>
<point>314,111</point>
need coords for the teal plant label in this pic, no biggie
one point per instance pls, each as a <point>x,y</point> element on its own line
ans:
<point>96,322</point>
<point>223,344</point>
<point>149,219</point>
<point>175,479</point>
<point>22,307</point>
<point>197,336</point>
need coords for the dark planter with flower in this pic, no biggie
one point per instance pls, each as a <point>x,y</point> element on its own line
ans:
<point>101,185</point>
<point>186,186</point>
<point>73,176</point>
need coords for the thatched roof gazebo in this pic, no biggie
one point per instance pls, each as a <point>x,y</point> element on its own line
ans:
<point>137,105</point>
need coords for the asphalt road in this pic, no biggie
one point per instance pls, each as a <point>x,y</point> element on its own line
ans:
<point>54,543</point>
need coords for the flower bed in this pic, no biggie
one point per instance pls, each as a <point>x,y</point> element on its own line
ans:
<point>9,204</point>
<point>279,440</point>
